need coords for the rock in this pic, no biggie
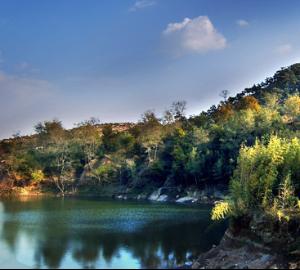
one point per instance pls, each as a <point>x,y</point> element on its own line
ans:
<point>158,196</point>
<point>122,197</point>
<point>141,197</point>
<point>236,252</point>
<point>267,237</point>
<point>187,196</point>
<point>185,200</point>
<point>162,198</point>
<point>155,195</point>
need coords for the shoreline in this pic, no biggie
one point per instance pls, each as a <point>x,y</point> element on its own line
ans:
<point>164,195</point>
<point>237,252</point>
<point>255,242</point>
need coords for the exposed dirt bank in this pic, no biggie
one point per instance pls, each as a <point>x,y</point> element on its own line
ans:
<point>255,243</point>
<point>238,253</point>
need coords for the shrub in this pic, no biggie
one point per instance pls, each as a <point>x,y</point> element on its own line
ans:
<point>265,180</point>
<point>37,176</point>
<point>221,210</point>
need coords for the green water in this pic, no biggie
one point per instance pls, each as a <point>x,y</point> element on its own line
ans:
<point>90,233</point>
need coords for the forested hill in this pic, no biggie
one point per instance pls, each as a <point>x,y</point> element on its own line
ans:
<point>172,150</point>
<point>285,82</point>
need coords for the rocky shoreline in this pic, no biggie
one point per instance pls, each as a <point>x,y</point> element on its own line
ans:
<point>239,253</point>
<point>175,195</point>
<point>163,194</point>
<point>255,242</point>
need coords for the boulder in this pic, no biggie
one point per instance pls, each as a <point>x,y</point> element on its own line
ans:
<point>186,199</point>
<point>155,195</point>
<point>162,198</point>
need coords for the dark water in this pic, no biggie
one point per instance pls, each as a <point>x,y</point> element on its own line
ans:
<point>86,233</point>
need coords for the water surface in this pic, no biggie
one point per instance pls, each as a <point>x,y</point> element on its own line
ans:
<point>90,233</point>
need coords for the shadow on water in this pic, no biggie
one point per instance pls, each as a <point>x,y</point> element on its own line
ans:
<point>78,233</point>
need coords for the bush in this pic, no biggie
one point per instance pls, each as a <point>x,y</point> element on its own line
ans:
<point>37,176</point>
<point>221,210</point>
<point>265,179</point>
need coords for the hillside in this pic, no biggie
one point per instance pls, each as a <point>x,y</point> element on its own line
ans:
<point>172,151</point>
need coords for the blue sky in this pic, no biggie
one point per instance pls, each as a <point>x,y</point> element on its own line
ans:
<point>114,59</point>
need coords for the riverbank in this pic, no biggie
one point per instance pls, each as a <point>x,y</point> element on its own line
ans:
<point>255,243</point>
<point>175,195</point>
<point>239,253</point>
<point>163,194</point>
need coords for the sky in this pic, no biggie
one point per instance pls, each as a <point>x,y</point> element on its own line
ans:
<point>114,59</point>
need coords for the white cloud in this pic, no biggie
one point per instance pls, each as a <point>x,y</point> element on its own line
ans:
<point>284,49</point>
<point>173,27</point>
<point>196,35</point>
<point>141,4</point>
<point>242,23</point>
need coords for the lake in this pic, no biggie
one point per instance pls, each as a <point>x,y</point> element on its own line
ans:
<point>92,233</point>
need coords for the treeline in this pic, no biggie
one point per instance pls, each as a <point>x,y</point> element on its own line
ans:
<point>172,150</point>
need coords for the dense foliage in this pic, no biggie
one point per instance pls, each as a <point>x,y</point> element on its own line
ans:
<point>173,150</point>
<point>267,178</point>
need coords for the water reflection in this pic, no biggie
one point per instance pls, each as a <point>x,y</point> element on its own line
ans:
<point>1,216</point>
<point>71,233</point>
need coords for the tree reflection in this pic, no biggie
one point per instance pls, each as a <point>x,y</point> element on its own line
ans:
<point>158,243</point>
